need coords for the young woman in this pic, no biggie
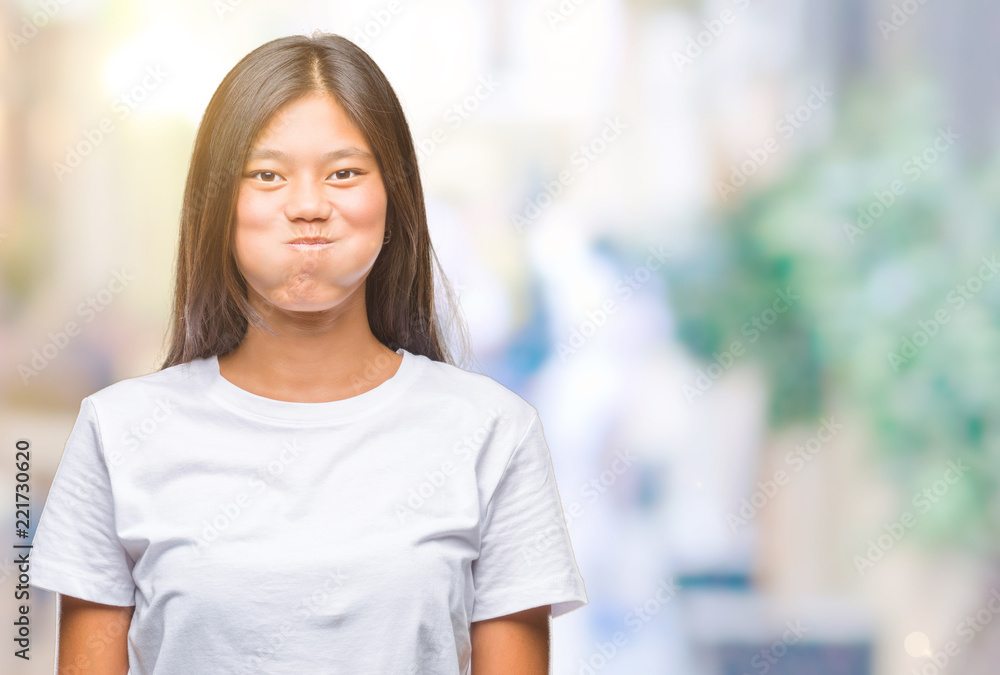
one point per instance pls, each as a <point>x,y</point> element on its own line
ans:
<point>309,484</point>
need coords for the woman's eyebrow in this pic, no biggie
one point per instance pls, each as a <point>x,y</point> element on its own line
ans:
<point>350,151</point>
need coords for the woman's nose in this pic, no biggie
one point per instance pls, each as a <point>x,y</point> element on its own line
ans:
<point>307,200</point>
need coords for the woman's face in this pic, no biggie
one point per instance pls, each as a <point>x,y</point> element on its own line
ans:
<point>310,175</point>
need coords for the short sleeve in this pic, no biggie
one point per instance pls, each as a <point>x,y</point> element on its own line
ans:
<point>526,559</point>
<point>75,550</point>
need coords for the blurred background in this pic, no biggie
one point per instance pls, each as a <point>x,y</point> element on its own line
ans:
<point>740,254</point>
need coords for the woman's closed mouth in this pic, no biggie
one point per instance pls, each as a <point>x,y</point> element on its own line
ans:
<point>310,243</point>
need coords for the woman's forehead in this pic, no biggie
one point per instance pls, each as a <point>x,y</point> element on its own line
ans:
<point>321,116</point>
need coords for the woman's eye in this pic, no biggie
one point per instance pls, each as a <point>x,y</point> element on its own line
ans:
<point>262,174</point>
<point>272,177</point>
<point>354,171</point>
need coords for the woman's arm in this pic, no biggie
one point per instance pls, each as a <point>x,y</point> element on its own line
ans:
<point>516,643</point>
<point>93,638</point>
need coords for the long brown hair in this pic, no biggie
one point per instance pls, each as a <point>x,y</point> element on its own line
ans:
<point>211,312</point>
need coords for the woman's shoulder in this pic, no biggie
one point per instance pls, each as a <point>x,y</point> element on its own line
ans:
<point>164,384</point>
<point>440,379</point>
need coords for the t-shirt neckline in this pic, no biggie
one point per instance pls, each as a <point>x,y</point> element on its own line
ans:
<point>253,405</point>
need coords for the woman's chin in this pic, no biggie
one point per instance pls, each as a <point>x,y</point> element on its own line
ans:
<point>318,302</point>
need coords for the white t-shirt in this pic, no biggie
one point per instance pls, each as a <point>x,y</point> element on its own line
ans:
<point>263,536</point>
